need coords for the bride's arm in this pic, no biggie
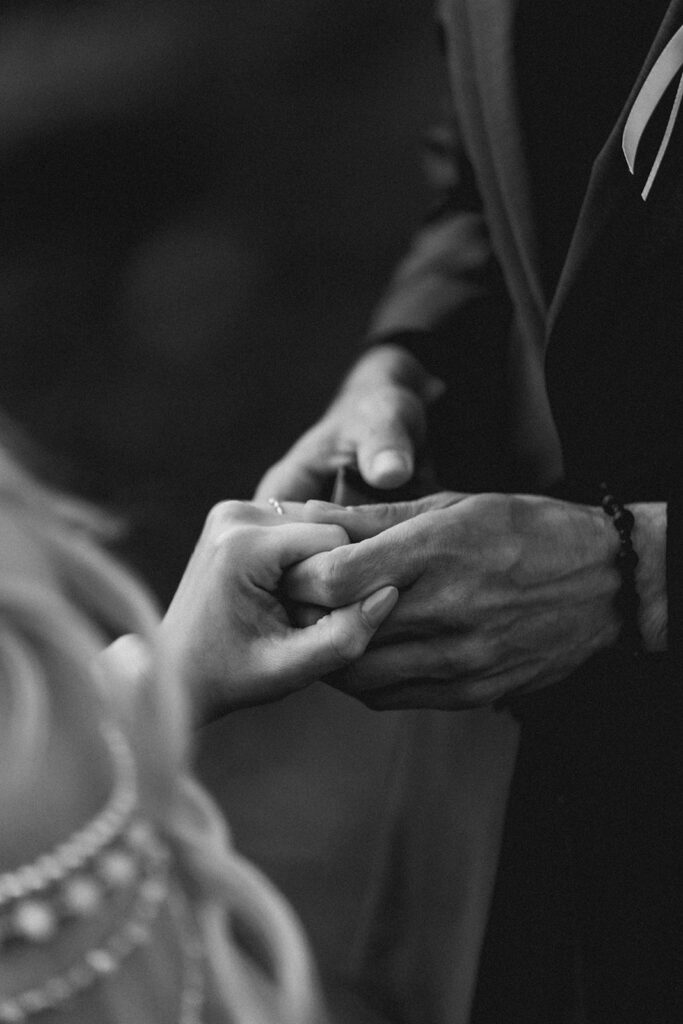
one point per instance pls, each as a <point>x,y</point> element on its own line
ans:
<point>72,882</point>
<point>227,632</point>
<point>72,873</point>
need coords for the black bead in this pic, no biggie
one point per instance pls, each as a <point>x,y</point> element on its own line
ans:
<point>627,559</point>
<point>627,601</point>
<point>609,504</point>
<point>624,520</point>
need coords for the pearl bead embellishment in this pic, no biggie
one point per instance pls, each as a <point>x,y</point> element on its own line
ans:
<point>34,921</point>
<point>81,895</point>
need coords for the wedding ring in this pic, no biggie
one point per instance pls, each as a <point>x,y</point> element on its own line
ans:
<point>277,506</point>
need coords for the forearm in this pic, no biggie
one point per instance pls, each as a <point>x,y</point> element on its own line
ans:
<point>129,659</point>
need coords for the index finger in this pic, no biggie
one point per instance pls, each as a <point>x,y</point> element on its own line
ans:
<point>364,521</point>
<point>296,542</point>
<point>360,521</point>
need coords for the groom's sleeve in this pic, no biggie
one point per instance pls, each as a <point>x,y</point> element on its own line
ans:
<point>450,269</point>
<point>447,303</point>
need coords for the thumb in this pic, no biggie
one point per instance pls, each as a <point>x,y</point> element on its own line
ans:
<point>393,424</point>
<point>390,466</point>
<point>336,639</point>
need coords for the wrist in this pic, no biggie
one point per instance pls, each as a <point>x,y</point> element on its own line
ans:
<point>203,693</point>
<point>649,542</point>
<point>129,660</point>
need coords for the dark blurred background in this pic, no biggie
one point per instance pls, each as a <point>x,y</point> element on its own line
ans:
<point>201,200</point>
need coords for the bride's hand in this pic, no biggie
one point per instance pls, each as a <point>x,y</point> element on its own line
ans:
<point>227,629</point>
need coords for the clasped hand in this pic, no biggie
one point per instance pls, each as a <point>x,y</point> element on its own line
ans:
<point>450,601</point>
<point>497,593</point>
<point>227,629</point>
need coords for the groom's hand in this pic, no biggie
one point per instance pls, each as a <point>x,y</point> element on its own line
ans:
<point>377,421</point>
<point>497,593</point>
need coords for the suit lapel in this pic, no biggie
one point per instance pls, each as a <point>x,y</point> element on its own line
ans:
<point>492,34</point>
<point>610,182</point>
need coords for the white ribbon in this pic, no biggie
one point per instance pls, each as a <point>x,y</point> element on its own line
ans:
<point>667,65</point>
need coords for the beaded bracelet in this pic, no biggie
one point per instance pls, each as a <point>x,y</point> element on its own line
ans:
<point>628,599</point>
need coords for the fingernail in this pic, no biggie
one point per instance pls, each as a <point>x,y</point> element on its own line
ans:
<point>376,607</point>
<point>391,467</point>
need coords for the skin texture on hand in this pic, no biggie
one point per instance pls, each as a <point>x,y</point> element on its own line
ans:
<point>377,421</point>
<point>227,629</point>
<point>497,593</point>
<point>649,541</point>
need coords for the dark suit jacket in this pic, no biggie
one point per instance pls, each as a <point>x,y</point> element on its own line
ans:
<point>584,388</point>
<point>587,387</point>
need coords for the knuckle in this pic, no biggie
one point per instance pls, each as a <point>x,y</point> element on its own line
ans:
<point>468,659</point>
<point>226,513</point>
<point>478,692</point>
<point>478,656</point>
<point>463,598</point>
<point>338,535</point>
<point>229,530</point>
<point>330,578</point>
